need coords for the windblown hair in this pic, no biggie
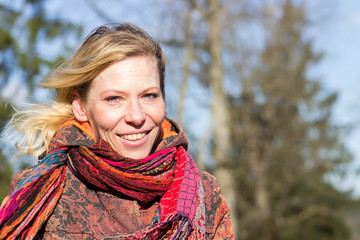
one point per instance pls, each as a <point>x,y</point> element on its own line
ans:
<point>104,46</point>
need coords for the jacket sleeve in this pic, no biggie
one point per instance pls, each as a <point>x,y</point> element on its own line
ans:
<point>218,221</point>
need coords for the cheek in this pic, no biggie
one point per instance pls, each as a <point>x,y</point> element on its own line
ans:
<point>102,119</point>
<point>159,113</point>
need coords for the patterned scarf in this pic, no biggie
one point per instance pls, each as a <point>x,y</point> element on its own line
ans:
<point>169,174</point>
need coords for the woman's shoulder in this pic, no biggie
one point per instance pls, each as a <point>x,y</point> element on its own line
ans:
<point>209,181</point>
<point>213,197</point>
<point>218,221</point>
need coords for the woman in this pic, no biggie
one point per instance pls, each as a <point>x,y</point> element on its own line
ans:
<point>111,165</point>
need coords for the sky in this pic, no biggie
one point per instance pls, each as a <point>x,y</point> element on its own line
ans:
<point>340,72</point>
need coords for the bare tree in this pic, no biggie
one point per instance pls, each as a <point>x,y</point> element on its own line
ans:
<point>284,137</point>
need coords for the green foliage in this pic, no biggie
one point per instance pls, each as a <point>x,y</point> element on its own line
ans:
<point>5,168</point>
<point>5,39</point>
<point>5,113</point>
<point>6,173</point>
<point>22,32</point>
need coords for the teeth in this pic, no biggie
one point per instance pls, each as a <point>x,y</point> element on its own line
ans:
<point>133,137</point>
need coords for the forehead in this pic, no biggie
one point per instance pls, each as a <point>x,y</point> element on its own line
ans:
<point>132,72</point>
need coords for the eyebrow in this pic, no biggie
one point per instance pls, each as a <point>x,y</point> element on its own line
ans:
<point>124,92</point>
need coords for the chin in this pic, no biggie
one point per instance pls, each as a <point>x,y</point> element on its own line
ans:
<point>136,155</point>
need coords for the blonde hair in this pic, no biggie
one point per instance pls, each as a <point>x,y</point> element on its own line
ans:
<point>105,45</point>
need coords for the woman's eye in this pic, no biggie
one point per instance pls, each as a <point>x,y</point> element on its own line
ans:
<point>151,95</point>
<point>112,99</point>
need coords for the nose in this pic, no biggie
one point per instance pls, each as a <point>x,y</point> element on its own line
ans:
<point>135,116</point>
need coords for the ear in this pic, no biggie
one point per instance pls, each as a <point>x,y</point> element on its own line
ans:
<point>78,108</point>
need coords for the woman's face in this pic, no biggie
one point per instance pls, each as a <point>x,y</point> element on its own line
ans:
<point>125,107</point>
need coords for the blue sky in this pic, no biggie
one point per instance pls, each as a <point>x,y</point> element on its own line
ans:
<point>340,72</point>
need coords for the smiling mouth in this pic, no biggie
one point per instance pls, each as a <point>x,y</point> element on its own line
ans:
<point>133,137</point>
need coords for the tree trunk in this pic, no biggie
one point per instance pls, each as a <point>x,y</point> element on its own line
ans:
<point>220,110</point>
<point>186,65</point>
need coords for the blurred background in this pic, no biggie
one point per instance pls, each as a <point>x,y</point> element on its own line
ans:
<point>266,91</point>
